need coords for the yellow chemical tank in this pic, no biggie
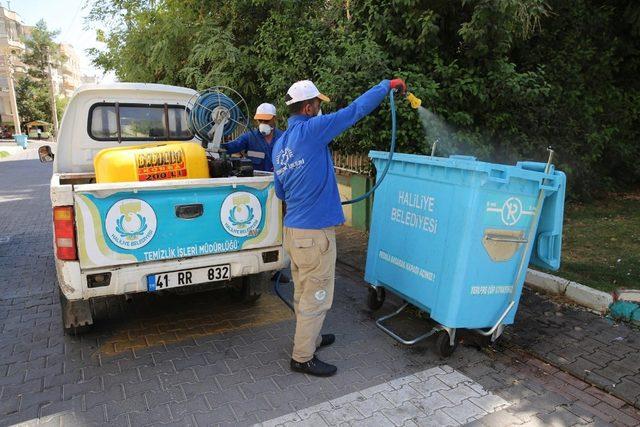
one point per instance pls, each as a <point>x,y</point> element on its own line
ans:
<point>151,162</point>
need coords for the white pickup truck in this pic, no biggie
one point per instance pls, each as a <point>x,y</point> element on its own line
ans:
<point>127,237</point>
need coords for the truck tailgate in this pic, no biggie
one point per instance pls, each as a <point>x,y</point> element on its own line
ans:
<point>128,223</point>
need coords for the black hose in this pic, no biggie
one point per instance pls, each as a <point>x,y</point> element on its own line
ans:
<point>276,288</point>
<point>392,150</point>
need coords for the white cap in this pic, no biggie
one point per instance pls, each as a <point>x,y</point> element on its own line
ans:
<point>265,111</point>
<point>303,90</point>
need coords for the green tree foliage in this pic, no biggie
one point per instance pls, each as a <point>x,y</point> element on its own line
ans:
<point>508,77</point>
<point>41,48</point>
<point>32,100</point>
<point>32,90</point>
<point>61,106</point>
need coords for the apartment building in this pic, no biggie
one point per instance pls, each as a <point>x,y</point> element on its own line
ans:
<point>12,31</point>
<point>69,70</point>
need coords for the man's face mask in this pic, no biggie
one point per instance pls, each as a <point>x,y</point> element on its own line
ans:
<point>264,129</point>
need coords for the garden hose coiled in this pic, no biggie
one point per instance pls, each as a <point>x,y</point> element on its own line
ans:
<point>201,114</point>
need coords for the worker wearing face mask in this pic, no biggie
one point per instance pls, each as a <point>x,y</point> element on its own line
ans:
<point>306,181</point>
<point>258,143</point>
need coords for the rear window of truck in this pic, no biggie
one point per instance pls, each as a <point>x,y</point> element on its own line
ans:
<point>138,122</point>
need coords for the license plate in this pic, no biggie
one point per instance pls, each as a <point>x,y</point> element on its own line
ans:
<point>174,279</point>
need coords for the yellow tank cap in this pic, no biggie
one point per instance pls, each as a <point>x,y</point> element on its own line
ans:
<point>151,162</point>
<point>414,100</point>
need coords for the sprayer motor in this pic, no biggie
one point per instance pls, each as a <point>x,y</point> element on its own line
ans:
<point>229,166</point>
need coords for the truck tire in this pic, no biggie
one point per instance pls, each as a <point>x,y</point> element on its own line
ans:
<point>108,307</point>
<point>76,316</point>
<point>249,288</point>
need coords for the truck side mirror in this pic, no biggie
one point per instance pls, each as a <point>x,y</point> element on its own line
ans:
<point>45,154</point>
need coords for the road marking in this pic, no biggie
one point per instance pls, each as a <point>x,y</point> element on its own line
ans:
<point>438,396</point>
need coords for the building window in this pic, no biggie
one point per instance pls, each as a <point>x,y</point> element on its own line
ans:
<point>138,122</point>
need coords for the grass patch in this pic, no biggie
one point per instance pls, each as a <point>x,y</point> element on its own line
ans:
<point>601,243</point>
<point>4,154</point>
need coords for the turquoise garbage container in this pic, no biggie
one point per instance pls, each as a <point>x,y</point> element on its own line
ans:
<point>21,140</point>
<point>454,236</point>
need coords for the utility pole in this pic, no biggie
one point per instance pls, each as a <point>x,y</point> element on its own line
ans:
<point>7,71</point>
<point>52,97</point>
<point>13,103</point>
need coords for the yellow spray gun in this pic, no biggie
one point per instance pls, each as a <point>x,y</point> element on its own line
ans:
<point>415,104</point>
<point>414,100</point>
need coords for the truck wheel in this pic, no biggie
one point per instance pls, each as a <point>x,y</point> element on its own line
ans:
<point>107,307</point>
<point>76,316</point>
<point>250,288</point>
<point>376,298</point>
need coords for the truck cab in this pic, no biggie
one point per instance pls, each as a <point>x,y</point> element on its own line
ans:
<point>151,236</point>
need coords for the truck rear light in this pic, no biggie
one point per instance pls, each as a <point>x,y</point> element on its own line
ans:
<point>64,242</point>
<point>64,232</point>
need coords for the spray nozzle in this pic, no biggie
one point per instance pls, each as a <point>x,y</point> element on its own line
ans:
<point>414,100</point>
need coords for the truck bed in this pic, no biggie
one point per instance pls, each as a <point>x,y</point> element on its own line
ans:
<point>137,222</point>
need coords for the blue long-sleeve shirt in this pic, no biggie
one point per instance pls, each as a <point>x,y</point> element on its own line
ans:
<point>304,175</point>
<point>257,148</point>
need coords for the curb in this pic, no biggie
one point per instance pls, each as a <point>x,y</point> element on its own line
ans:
<point>580,294</point>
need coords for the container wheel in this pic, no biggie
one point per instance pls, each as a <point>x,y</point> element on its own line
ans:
<point>376,297</point>
<point>443,347</point>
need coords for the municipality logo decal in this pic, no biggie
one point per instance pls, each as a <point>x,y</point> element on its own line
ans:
<point>284,156</point>
<point>283,159</point>
<point>241,213</point>
<point>131,223</point>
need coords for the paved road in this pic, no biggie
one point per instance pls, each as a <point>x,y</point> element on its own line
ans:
<point>596,349</point>
<point>202,359</point>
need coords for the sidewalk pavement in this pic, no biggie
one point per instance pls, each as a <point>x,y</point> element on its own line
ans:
<point>198,359</point>
<point>18,153</point>
<point>576,341</point>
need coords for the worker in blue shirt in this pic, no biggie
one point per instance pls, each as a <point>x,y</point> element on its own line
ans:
<point>258,143</point>
<point>258,146</point>
<point>306,181</point>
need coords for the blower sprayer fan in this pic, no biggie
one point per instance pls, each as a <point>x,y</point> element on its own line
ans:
<point>214,115</point>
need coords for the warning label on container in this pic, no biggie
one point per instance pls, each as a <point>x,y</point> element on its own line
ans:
<point>418,271</point>
<point>491,290</point>
<point>169,164</point>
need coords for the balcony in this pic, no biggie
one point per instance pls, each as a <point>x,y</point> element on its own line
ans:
<point>11,43</point>
<point>70,84</point>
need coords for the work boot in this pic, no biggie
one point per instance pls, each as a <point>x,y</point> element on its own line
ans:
<point>315,367</point>
<point>327,339</point>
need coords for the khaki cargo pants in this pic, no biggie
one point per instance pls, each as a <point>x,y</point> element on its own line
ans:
<point>313,267</point>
